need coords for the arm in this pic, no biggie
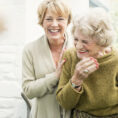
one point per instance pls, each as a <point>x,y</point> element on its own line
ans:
<point>33,87</point>
<point>117,81</point>
<point>67,96</point>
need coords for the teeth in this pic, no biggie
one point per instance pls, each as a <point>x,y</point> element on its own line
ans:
<point>83,51</point>
<point>54,30</point>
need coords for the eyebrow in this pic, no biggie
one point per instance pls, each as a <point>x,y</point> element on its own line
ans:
<point>48,16</point>
<point>57,17</point>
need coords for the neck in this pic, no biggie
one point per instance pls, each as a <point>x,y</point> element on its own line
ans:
<point>56,47</point>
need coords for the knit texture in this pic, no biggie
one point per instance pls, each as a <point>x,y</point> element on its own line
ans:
<point>39,78</point>
<point>99,95</point>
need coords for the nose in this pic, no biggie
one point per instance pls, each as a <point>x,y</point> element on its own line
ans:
<point>55,23</point>
<point>79,45</point>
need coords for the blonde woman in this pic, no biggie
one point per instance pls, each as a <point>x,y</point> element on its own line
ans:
<point>89,79</point>
<point>42,59</point>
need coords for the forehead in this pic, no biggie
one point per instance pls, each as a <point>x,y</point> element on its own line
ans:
<point>51,13</point>
<point>80,35</point>
<point>55,11</point>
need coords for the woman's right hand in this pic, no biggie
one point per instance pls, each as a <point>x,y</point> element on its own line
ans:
<point>83,69</point>
<point>59,68</point>
<point>60,64</point>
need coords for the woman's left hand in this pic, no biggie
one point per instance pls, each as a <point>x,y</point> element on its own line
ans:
<point>83,69</point>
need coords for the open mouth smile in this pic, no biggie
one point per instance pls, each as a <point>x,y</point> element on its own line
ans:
<point>54,31</point>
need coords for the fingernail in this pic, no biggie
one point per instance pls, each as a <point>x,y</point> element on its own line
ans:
<point>91,58</point>
<point>97,65</point>
<point>95,60</point>
<point>64,49</point>
<point>64,59</point>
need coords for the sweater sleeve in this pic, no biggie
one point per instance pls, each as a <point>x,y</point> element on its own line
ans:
<point>33,87</point>
<point>67,96</point>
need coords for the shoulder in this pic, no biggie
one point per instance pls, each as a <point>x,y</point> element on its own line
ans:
<point>70,55</point>
<point>115,54</point>
<point>34,45</point>
<point>71,52</point>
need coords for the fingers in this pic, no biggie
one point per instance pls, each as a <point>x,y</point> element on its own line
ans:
<point>59,68</point>
<point>85,63</point>
<point>61,63</point>
<point>84,73</point>
<point>61,55</point>
<point>85,67</point>
<point>95,61</point>
<point>90,69</point>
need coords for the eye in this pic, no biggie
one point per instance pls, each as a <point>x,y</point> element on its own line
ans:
<point>84,41</point>
<point>75,39</point>
<point>60,19</point>
<point>48,19</point>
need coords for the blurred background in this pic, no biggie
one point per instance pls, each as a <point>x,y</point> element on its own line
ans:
<point>18,26</point>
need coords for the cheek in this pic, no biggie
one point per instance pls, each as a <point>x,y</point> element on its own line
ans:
<point>75,43</point>
<point>45,24</point>
<point>85,46</point>
<point>93,50</point>
<point>89,47</point>
<point>45,27</point>
<point>64,25</point>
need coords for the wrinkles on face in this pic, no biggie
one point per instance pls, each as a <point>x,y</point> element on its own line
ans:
<point>86,46</point>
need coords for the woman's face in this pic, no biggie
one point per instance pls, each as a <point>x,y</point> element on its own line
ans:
<point>85,46</point>
<point>54,26</point>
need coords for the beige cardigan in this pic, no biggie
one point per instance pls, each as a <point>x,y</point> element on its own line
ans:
<point>39,79</point>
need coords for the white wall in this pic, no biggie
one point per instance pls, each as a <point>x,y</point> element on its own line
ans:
<point>11,42</point>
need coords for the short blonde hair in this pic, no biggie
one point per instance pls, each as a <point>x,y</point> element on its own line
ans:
<point>97,25</point>
<point>57,7</point>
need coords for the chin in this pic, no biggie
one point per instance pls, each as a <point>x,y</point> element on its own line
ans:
<point>54,37</point>
<point>81,56</point>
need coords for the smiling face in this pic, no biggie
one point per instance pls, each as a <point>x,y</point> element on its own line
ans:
<point>54,26</point>
<point>85,46</point>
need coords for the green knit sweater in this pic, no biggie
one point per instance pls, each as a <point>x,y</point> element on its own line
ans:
<point>99,94</point>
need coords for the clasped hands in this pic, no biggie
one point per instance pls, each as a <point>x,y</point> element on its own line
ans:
<point>83,69</point>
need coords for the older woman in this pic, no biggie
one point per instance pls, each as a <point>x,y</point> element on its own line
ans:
<point>42,59</point>
<point>89,79</point>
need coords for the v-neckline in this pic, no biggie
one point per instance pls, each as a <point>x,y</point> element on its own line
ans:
<point>50,53</point>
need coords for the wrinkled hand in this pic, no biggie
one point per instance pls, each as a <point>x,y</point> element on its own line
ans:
<point>83,69</point>
<point>60,64</point>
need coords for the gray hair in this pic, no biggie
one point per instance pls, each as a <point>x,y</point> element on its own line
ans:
<point>96,24</point>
